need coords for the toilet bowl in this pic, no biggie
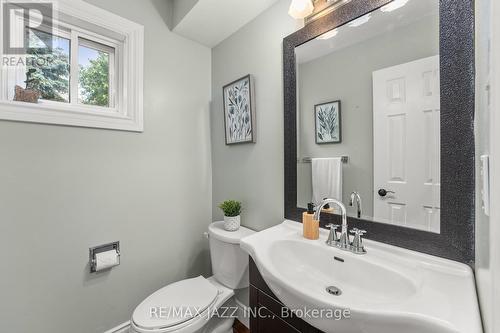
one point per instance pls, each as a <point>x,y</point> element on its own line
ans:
<point>199,305</point>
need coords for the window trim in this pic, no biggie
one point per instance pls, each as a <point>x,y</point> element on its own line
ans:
<point>127,113</point>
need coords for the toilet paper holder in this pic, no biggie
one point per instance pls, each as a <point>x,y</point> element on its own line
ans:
<point>93,251</point>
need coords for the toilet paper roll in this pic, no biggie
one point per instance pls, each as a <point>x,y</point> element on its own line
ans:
<point>106,259</point>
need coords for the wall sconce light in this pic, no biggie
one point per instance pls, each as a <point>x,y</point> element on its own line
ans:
<point>300,9</point>
<point>316,8</point>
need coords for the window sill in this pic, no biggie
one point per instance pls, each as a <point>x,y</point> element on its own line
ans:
<point>72,115</point>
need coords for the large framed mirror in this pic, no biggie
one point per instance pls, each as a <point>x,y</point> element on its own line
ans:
<point>379,114</point>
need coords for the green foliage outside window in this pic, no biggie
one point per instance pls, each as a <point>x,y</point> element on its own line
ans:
<point>94,81</point>
<point>48,73</point>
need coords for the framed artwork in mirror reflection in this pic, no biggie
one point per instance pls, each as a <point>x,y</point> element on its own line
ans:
<point>328,122</point>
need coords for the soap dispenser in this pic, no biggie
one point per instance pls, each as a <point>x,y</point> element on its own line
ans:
<point>309,224</point>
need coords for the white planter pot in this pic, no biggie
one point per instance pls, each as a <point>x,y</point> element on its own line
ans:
<point>232,223</point>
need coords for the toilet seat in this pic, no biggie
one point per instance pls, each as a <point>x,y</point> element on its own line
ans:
<point>180,304</point>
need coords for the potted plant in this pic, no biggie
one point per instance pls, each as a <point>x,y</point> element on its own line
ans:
<point>232,211</point>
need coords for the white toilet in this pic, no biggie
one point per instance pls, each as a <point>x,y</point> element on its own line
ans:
<point>197,304</point>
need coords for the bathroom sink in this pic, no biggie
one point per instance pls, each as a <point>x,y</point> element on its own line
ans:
<point>304,265</point>
<point>389,289</point>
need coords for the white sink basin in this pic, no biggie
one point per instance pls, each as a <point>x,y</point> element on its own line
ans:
<point>387,290</point>
<point>358,278</point>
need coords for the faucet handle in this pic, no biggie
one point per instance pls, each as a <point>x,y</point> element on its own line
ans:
<point>357,243</point>
<point>357,231</point>
<point>332,237</point>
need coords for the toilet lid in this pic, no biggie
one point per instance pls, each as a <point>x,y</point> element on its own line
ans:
<point>216,230</point>
<point>175,304</point>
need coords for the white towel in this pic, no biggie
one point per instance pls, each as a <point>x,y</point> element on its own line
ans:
<point>326,179</point>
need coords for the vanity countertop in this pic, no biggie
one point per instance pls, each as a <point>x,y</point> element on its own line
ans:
<point>389,289</point>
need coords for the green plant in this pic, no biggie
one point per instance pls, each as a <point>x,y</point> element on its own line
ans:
<point>231,208</point>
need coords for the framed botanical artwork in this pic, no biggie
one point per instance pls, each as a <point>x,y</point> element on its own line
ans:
<point>239,111</point>
<point>328,124</point>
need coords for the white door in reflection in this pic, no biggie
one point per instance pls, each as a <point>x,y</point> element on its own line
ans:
<point>406,132</point>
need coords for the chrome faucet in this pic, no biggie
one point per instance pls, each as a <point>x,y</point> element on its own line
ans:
<point>355,196</point>
<point>343,242</point>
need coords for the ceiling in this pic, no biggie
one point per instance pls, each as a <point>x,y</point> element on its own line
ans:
<point>209,22</point>
<point>379,23</point>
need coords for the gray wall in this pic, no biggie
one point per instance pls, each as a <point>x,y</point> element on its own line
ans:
<point>64,189</point>
<point>252,173</point>
<point>346,75</point>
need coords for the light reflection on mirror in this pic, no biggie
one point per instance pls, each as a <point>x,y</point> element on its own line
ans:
<point>369,90</point>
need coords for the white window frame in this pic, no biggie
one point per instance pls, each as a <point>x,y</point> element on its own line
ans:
<point>126,95</point>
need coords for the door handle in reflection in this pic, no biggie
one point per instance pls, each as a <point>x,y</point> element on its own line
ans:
<point>383,192</point>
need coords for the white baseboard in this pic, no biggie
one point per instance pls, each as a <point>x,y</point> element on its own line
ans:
<point>122,328</point>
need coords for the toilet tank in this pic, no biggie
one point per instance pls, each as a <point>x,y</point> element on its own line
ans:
<point>229,262</point>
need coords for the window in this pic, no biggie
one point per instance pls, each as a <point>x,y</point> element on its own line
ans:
<point>95,73</point>
<point>49,72</point>
<point>84,68</point>
<point>50,78</point>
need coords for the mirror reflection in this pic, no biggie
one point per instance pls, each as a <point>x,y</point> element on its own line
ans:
<point>368,116</point>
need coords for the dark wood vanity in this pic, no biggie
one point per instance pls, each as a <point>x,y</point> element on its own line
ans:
<point>269,309</point>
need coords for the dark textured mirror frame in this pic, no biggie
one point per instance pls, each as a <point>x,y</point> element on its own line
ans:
<point>456,39</point>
